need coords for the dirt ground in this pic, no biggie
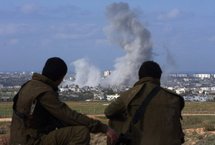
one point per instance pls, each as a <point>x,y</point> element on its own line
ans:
<point>199,137</point>
<point>192,136</point>
<point>96,139</point>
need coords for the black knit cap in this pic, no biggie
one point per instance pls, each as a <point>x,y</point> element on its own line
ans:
<point>55,68</point>
<point>150,69</point>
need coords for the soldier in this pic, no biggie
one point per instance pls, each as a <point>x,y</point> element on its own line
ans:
<point>147,114</point>
<point>40,118</point>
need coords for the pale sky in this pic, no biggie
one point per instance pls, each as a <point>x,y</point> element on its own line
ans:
<point>182,33</point>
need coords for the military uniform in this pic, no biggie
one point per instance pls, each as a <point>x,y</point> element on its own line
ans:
<point>52,122</point>
<point>161,122</point>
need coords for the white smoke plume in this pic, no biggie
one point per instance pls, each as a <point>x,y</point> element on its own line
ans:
<point>125,30</point>
<point>129,33</point>
<point>86,74</point>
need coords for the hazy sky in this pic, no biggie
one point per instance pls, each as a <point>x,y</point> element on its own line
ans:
<point>182,33</point>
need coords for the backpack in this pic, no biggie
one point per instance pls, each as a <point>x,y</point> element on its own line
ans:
<point>127,122</point>
<point>125,136</point>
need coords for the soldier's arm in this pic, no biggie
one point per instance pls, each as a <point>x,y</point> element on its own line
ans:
<point>115,109</point>
<point>177,104</point>
<point>62,112</point>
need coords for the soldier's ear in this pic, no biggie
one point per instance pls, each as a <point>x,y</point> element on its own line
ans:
<point>58,81</point>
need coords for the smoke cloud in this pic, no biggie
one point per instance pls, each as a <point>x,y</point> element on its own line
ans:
<point>86,73</point>
<point>125,30</point>
<point>129,33</point>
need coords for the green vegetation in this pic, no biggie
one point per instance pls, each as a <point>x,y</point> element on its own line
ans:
<point>5,109</point>
<point>209,125</point>
<point>209,140</point>
<point>92,107</point>
<point>199,108</point>
<point>207,122</point>
<point>8,92</point>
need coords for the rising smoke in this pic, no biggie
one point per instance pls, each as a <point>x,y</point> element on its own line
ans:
<point>86,73</point>
<point>129,33</point>
<point>126,31</point>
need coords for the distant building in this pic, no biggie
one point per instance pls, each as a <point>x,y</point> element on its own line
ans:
<point>98,96</point>
<point>106,73</point>
<point>203,90</point>
<point>111,97</point>
<point>202,76</point>
<point>179,75</point>
<point>5,99</point>
<point>213,89</point>
<point>170,88</point>
<point>180,90</point>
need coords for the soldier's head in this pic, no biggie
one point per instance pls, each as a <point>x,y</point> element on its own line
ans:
<point>150,69</point>
<point>55,69</point>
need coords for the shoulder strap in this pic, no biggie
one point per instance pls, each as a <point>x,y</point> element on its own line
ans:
<point>32,108</point>
<point>15,99</point>
<point>141,110</point>
<point>129,95</point>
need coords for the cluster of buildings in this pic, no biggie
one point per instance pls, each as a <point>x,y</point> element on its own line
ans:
<point>193,87</point>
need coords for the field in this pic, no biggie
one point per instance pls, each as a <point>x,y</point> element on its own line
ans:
<point>195,114</point>
<point>198,119</point>
<point>97,107</point>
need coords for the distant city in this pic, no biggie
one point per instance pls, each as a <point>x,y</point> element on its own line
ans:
<point>192,86</point>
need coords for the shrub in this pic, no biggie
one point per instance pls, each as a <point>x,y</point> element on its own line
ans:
<point>3,130</point>
<point>209,140</point>
<point>209,126</point>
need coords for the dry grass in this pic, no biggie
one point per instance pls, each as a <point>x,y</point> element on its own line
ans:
<point>97,107</point>
<point>98,139</point>
<point>199,108</point>
<point>199,136</point>
<point>4,140</point>
<point>199,121</point>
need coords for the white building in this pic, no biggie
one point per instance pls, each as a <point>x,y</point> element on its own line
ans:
<point>179,75</point>
<point>212,88</point>
<point>111,97</point>
<point>180,90</point>
<point>203,90</point>
<point>202,76</point>
<point>106,73</point>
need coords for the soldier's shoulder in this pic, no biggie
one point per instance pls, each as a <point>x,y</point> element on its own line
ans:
<point>132,91</point>
<point>176,95</point>
<point>180,98</point>
<point>171,92</point>
<point>38,85</point>
<point>124,95</point>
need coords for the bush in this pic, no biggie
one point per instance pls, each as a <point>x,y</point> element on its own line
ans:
<point>209,140</point>
<point>209,125</point>
<point>3,130</point>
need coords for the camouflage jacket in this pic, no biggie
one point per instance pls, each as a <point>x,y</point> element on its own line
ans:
<point>49,109</point>
<point>161,122</point>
